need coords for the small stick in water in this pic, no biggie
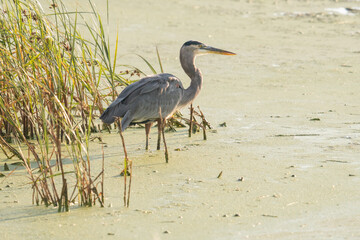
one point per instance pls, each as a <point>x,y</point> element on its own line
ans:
<point>128,197</point>
<point>126,163</point>
<point>204,123</point>
<point>103,173</point>
<point>191,119</point>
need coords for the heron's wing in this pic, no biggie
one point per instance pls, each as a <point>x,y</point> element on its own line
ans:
<point>146,84</point>
<point>159,96</point>
<point>154,85</point>
<point>142,100</point>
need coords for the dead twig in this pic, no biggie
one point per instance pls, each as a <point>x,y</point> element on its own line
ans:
<point>126,164</point>
<point>191,119</point>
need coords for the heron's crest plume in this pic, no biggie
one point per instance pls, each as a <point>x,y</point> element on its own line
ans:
<point>191,42</point>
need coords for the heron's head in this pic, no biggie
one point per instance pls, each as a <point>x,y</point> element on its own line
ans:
<point>198,48</point>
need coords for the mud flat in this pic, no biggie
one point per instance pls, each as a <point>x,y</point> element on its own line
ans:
<point>289,154</point>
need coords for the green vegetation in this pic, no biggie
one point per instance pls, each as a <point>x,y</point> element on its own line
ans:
<point>49,89</point>
<point>53,82</point>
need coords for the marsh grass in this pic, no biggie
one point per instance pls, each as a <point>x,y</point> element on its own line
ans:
<point>127,167</point>
<point>53,81</point>
<point>50,88</point>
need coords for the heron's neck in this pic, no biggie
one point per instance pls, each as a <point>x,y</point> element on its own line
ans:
<point>196,80</point>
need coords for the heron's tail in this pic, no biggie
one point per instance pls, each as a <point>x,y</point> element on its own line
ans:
<point>108,116</point>
<point>113,112</point>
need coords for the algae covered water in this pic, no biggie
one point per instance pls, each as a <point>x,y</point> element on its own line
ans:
<point>288,152</point>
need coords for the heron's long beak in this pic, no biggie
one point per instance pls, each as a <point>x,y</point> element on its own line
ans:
<point>208,49</point>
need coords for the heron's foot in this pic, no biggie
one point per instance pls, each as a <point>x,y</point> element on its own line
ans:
<point>147,144</point>
<point>123,172</point>
<point>158,143</point>
<point>166,157</point>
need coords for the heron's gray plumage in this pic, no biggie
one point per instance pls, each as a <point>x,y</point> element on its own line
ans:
<point>141,102</point>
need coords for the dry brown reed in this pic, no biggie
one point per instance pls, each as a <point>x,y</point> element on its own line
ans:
<point>49,89</point>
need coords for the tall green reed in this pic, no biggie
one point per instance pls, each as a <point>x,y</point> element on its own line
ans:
<point>51,83</point>
<point>49,89</point>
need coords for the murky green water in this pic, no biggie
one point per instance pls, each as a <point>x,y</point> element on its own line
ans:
<point>297,60</point>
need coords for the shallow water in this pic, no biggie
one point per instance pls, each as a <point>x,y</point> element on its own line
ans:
<point>300,177</point>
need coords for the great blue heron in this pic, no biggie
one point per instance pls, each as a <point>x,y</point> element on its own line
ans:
<point>157,97</point>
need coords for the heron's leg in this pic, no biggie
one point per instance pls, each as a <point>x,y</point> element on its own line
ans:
<point>159,134</point>
<point>147,131</point>
<point>163,135</point>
